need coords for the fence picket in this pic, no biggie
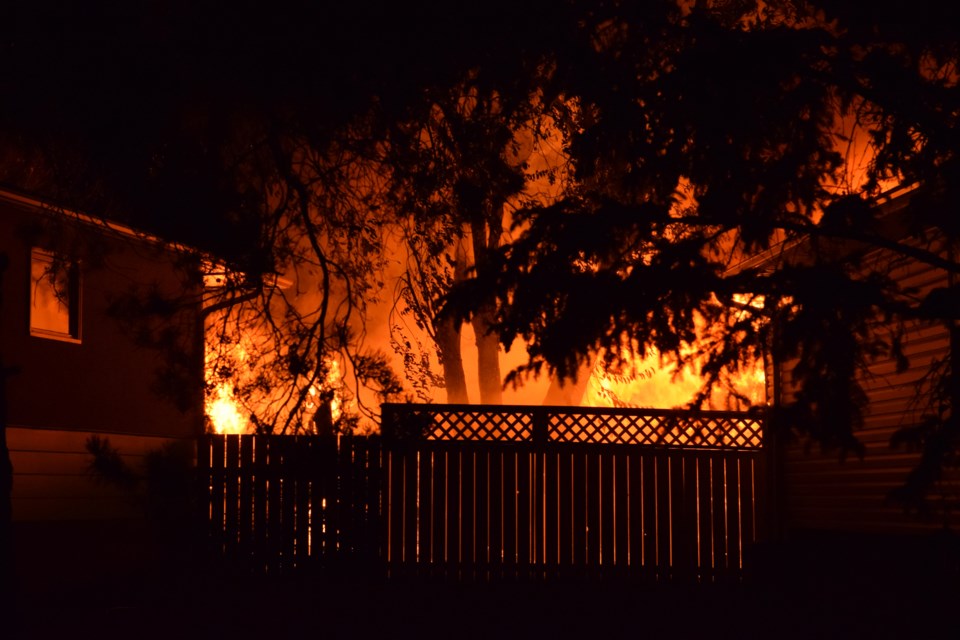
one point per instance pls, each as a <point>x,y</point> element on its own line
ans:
<point>217,500</point>
<point>705,532</point>
<point>453,549</point>
<point>593,506</point>
<point>510,511</point>
<point>636,523</point>
<point>621,515</point>
<point>719,514</point>
<point>411,496</point>
<point>551,512</point>
<point>260,550</point>
<point>468,514</point>
<point>394,509</point>
<point>688,513</point>
<point>607,513</point>
<point>735,541</point>
<point>245,532</point>
<point>495,505</point>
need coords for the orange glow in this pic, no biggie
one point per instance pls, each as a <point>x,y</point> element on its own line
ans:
<point>235,393</point>
<point>223,409</point>
<point>224,412</point>
<point>334,380</point>
<point>228,414</point>
<point>650,380</point>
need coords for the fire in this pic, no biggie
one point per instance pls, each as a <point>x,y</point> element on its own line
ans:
<point>227,414</point>
<point>229,367</point>
<point>224,411</point>
<point>650,381</point>
<point>334,383</point>
<point>258,378</point>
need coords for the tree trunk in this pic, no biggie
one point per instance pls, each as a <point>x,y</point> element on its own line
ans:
<point>448,346</point>
<point>488,357</point>
<point>448,341</point>
<point>485,232</point>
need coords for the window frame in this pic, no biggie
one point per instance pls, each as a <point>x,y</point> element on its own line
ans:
<point>74,297</point>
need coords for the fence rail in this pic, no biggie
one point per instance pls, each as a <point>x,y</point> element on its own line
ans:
<point>594,425</point>
<point>468,493</point>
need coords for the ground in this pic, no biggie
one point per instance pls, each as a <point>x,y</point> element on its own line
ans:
<point>799,599</point>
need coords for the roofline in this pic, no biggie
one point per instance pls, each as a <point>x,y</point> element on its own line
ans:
<point>888,202</point>
<point>14,197</point>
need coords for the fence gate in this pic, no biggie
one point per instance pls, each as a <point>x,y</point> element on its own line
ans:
<point>493,493</point>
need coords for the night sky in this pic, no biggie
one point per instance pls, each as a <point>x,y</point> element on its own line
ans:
<point>127,103</point>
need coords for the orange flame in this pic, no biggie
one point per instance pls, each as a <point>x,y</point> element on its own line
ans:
<point>224,412</point>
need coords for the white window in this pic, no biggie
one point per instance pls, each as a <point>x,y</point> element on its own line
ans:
<point>54,296</point>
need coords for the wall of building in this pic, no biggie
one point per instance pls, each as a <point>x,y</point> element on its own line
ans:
<point>108,380</point>
<point>823,493</point>
<point>108,383</point>
<point>71,528</point>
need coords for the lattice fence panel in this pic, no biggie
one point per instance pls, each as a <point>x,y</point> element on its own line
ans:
<point>701,429</point>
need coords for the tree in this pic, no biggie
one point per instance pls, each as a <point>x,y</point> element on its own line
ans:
<point>704,134</point>
<point>287,331</point>
<point>458,163</point>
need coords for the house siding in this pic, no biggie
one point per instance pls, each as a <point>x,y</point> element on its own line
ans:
<point>61,392</point>
<point>824,493</point>
<point>53,479</point>
<point>70,527</point>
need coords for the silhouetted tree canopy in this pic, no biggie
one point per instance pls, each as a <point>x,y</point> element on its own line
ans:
<point>710,144</point>
<point>727,161</point>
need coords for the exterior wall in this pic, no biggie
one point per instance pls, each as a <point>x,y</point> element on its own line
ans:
<point>72,530</point>
<point>61,392</point>
<point>53,479</point>
<point>822,493</point>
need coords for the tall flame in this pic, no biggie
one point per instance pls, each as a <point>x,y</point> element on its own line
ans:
<point>224,411</point>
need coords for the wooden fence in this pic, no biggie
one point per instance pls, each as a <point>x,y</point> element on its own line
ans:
<point>276,504</point>
<point>487,493</point>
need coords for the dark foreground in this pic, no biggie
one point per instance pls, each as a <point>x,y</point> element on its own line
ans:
<point>207,608</point>
<point>813,591</point>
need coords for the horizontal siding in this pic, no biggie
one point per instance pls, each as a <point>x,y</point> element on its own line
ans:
<point>52,478</point>
<point>822,492</point>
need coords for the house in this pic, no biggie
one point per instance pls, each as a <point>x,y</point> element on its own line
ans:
<point>817,492</point>
<point>83,358</point>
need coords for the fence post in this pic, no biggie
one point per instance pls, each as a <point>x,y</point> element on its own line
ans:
<point>388,421</point>
<point>540,425</point>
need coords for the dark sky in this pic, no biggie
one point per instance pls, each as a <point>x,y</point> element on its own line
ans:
<point>114,85</point>
<point>104,88</point>
<point>92,55</point>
